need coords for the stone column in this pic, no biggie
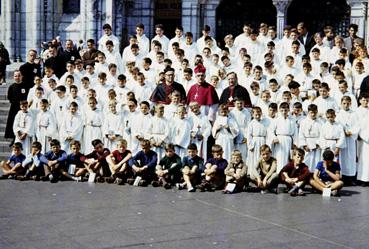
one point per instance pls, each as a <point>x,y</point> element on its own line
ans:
<point>87,20</point>
<point>358,13</point>
<point>190,16</point>
<point>210,17</point>
<point>35,24</point>
<point>8,35</point>
<point>109,5</point>
<point>281,6</point>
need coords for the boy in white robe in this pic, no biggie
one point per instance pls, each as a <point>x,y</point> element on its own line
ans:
<point>35,103</point>
<point>309,137</point>
<point>121,90</point>
<point>93,121</point>
<point>181,132</point>
<point>224,130</point>
<point>256,137</point>
<point>159,131</point>
<point>113,126</point>
<point>45,128</point>
<point>141,125</point>
<point>129,124</point>
<point>333,135</point>
<point>242,117</point>
<point>363,149</point>
<point>23,127</point>
<point>200,129</point>
<point>324,101</point>
<point>170,110</point>
<point>71,127</point>
<point>283,136</point>
<point>346,117</point>
<point>142,88</point>
<point>59,105</point>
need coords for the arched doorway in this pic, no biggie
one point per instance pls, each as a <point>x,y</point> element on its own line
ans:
<point>233,14</point>
<point>319,13</point>
<point>168,13</point>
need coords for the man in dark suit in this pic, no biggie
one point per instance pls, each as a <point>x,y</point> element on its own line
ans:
<point>234,91</point>
<point>349,41</point>
<point>305,37</point>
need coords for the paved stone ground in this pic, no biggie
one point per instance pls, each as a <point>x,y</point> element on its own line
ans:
<point>83,215</point>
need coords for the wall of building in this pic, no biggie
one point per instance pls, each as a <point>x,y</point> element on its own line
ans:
<point>25,23</point>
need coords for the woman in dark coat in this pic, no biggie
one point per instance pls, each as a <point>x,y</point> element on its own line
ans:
<point>16,93</point>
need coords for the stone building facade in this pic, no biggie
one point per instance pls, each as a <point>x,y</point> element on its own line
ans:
<point>24,24</point>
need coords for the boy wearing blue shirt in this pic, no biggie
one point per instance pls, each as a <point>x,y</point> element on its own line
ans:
<point>13,165</point>
<point>192,164</point>
<point>327,174</point>
<point>214,170</point>
<point>33,165</point>
<point>55,162</point>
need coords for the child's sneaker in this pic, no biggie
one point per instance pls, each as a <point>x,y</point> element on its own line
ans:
<point>191,189</point>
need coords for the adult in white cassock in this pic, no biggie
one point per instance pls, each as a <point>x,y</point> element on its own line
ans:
<point>160,37</point>
<point>283,136</point>
<point>200,129</point>
<point>45,127</point>
<point>142,40</point>
<point>309,137</point>
<point>108,35</point>
<point>71,127</point>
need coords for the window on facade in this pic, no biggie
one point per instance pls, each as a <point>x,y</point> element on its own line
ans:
<point>71,6</point>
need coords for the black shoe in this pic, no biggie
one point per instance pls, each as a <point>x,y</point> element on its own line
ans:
<point>155,184</point>
<point>167,186</point>
<point>53,178</point>
<point>4,177</point>
<point>142,183</point>
<point>110,179</point>
<point>119,181</point>
<point>130,181</point>
<point>100,179</point>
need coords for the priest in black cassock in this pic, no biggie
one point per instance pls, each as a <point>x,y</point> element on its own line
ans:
<point>233,91</point>
<point>16,93</point>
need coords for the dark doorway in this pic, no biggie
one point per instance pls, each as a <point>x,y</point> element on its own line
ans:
<point>320,13</point>
<point>168,13</point>
<point>233,14</point>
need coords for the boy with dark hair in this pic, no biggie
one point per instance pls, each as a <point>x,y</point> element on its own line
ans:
<point>295,174</point>
<point>143,164</point>
<point>77,159</point>
<point>214,170</point>
<point>168,169</point>
<point>327,174</point>
<point>55,162</point>
<point>96,161</point>
<point>192,164</point>
<point>34,163</point>
<point>13,165</point>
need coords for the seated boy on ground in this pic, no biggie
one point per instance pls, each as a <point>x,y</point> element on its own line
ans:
<point>143,164</point>
<point>13,166</point>
<point>96,161</point>
<point>33,165</point>
<point>118,162</point>
<point>327,174</point>
<point>265,175</point>
<point>295,174</point>
<point>214,170</point>
<point>168,170</point>
<point>192,164</point>
<point>235,172</point>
